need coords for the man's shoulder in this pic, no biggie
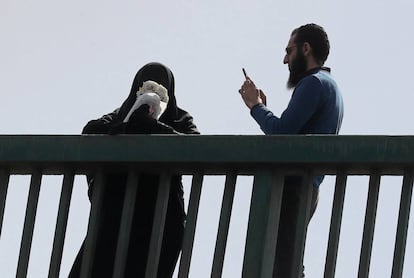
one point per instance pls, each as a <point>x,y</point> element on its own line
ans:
<point>322,78</point>
<point>311,81</point>
<point>318,83</point>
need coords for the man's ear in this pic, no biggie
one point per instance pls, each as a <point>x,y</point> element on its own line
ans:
<point>307,49</point>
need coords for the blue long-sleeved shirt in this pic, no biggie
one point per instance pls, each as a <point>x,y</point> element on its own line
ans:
<point>316,107</point>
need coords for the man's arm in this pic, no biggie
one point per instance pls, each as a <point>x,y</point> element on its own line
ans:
<point>305,101</point>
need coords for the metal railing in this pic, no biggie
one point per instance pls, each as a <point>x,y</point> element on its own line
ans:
<point>267,158</point>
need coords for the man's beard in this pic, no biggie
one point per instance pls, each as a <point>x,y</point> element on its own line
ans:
<point>297,69</point>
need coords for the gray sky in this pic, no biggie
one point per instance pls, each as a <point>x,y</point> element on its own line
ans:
<point>64,63</point>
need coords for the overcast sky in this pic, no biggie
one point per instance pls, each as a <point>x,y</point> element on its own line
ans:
<point>66,62</point>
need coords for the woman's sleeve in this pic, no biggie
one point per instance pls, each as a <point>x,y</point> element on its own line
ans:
<point>185,123</point>
<point>102,125</point>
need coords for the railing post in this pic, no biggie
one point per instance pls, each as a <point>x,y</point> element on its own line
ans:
<point>93,225</point>
<point>335,227</point>
<point>369,225</point>
<point>158,226</point>
<point>61,223</point>
<point>259,254</point>
<point>302,222</point>
<point>402,227</point>
<point>126,224</point>
<point>224,223</point>
<point>4,182</point>
<point>29,223</point>
<point>190,225</point>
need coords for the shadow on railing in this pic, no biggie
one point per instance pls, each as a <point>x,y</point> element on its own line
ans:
<point>267,158</point>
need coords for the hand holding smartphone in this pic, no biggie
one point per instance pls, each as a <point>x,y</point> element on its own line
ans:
<point>245,76</point>
<point>261,94</point>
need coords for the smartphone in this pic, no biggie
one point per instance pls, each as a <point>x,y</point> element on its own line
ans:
<point>244,72</point>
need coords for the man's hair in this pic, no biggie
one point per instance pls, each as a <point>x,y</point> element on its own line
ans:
<point>316,36</point>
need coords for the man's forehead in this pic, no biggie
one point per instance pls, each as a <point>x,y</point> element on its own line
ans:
<point>292,40</point>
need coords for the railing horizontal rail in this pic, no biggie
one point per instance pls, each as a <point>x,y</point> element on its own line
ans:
<point>357,154</point>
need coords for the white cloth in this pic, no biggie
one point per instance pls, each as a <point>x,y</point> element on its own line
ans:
<point>152,94</point>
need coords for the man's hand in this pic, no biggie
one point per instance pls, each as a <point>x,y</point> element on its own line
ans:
<point>263,97</point>
<point>251,95</point>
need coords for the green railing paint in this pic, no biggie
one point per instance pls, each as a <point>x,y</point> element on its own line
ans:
<point>268,158</point>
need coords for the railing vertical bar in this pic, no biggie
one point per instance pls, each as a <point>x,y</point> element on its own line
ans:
<point>224,223</point>
<point>302,224</point>
<point>275,204</point>
<point>4,183</point>
<point>402,227</point>
<point>93,225</point>
<point>29,223</point>
<point>158,226</point>
<point>126,223</point>
<point>335,227</point>
<point>369,225</point>
<point>62,219</point>
<point>190,226</point>
<point>263,223</point>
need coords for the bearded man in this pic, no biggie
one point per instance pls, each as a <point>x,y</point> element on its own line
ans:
<point>316,107</point>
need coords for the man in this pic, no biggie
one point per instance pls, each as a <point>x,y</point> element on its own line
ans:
<point>315,107</point>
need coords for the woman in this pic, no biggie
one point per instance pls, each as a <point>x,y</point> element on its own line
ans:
<point>173,120</point>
